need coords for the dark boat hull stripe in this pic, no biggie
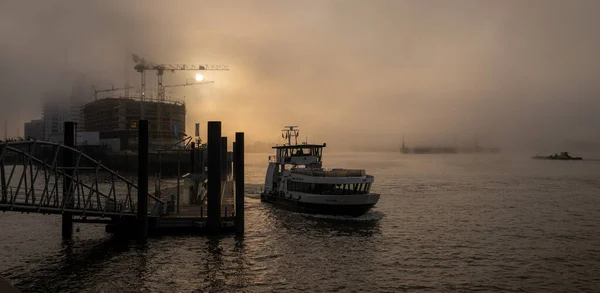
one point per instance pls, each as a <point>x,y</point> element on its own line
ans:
<point>354,210</point>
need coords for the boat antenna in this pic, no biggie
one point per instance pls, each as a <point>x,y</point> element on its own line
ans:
<point>290,131</point>
<point>403,145</point>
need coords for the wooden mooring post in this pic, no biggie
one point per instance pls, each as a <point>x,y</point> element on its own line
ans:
<point>233,158</point>
<point>142,198</point>
<point>68,164</point>
<point>224,158</point>
<point>238,170</point>
<point>214,177</point>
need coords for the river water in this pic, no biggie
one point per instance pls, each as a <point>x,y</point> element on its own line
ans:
<point>492,223</point>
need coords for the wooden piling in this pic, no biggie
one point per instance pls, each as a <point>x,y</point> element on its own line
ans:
<point>233,153</point>
<point>142,198</point>
<point>214,177</point>
<point>238,167</point>
<point>3,179</point>
<point>178,179</point>
<point>68,164</point>
<point>224,158</point>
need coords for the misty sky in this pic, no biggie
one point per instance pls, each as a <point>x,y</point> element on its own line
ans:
<point>347,72</point>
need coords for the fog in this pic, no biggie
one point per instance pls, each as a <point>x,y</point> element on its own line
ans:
<point>355,74</point>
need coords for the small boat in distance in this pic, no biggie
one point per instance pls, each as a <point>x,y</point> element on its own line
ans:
<point>446,149</point>
<point>296,181</point>
<point>564,156</point>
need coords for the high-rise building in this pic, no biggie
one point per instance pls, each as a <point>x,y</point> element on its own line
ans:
<point>55,111</point>
<point>34,129</point>
<point>117,118</point>
<point>62,106</point>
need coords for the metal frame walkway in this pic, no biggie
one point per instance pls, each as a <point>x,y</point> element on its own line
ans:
<point>29,182</point>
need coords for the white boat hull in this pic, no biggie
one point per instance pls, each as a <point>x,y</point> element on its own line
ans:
<point>342,205</point>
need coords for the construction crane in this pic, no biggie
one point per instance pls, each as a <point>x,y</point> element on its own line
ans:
<point>142,65</point>
<point>189,83</point>
<point>112,89</point>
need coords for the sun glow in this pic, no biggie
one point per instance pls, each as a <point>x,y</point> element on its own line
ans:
<point>199,77</point>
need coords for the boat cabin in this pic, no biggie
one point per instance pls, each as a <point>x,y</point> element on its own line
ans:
<point>301,154</point>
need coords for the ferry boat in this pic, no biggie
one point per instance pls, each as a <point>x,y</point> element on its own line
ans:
<point>296,180</point>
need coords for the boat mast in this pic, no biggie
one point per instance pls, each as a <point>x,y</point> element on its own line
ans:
<point>290,131</point>
<point>403,145</point>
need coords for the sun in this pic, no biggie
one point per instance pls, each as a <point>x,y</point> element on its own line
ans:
<point>199,77</point>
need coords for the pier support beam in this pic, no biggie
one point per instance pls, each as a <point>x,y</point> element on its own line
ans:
<point>214,176</point>
<point>68,164</point>
<point>178,178</point>
<point>192,157</point>
<point>142,198</point>
<point>238,171</point>
<point>201,158</point>
<point>3,176</point>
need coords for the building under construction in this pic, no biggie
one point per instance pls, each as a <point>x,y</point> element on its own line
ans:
<point>116,120</point>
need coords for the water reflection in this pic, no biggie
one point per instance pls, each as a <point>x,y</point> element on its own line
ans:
<point>364,226</point>
<point>241,265</point>
<point>71,267</point>
<point>214,263</point>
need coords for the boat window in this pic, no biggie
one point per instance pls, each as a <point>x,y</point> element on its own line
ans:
<point>300,152</point>
<point>318,188</point>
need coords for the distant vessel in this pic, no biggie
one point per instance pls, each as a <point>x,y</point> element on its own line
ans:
<point>295,180</point>
<point>563,156</point>
<point>445,150</point>
<point>429,150</point>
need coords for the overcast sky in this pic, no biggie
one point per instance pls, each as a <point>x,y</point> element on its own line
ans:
<point>347,72</point>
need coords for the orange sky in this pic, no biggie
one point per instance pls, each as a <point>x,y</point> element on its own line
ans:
<point>348,72</point>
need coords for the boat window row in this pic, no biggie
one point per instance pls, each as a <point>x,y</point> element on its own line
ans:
<point>320,188</point>
<point>301,151</point>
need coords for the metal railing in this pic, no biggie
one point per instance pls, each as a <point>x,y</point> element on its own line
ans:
<point>33,179</point>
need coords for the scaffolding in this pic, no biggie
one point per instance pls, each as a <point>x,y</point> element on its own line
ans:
<point>118,118</point>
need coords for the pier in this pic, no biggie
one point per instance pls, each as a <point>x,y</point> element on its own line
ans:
<point>52,178</point>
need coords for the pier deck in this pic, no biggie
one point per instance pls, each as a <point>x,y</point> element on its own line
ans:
<point>194,216</point>
<point>51,178</point>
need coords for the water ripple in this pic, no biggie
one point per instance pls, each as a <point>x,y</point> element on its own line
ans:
<point>444,223</point>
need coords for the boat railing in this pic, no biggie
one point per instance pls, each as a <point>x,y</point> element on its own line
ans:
<point>332,172</point>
